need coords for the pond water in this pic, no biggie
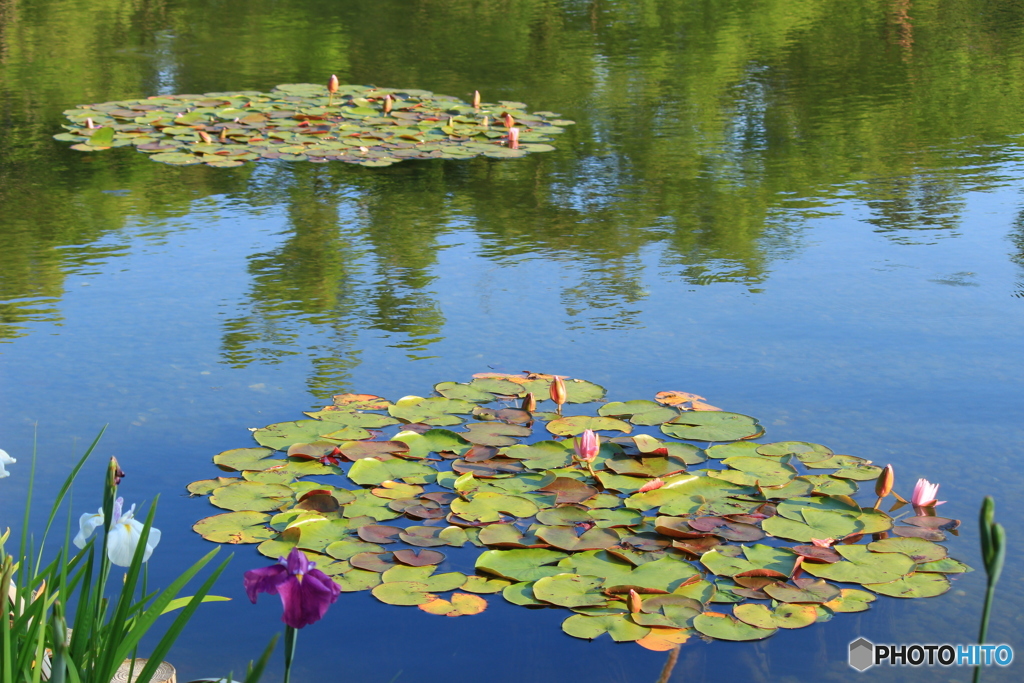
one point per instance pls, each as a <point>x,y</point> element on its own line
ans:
<point>805,211</point>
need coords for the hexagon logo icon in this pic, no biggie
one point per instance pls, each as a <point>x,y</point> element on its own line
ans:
<point>862,654</point>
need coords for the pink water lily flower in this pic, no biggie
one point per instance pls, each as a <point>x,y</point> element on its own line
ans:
<point>925,494</point>
<point>306,592</point>
<point>587,445</point>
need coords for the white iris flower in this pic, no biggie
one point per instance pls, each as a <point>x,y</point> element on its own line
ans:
<point>125,533</point>
<point>5,460</point>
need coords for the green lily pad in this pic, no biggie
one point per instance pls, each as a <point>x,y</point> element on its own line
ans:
<point>639,412</point>
<point>863,566</point>
<point>783,616</point>
<point>916,585</point>
<point>238,459</point>
<point>235,527</point>
<point>247,495</point>
<point>917,549</point>
<point>712,426</point>
<point>569,590</point>
<point>726,627</point>
<point>366,471</point>
<point>619,626</point>
<point>851,600</point>
<point>577,424</point>
<point>528,564</point>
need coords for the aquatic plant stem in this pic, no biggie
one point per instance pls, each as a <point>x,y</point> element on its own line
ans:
<point>289,652</point>
<point>990,593</point>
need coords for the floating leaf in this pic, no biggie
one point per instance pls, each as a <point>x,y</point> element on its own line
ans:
<point>619,626</point>
<point>851,600</point>
<point>917,585</point>
<point>725,627</point>
<point>863,566</point>
<point>783,616</point>
<point>235,527</point>
<point>713,426</point>
<point>569,590</point>
<point>571,426</point>
<point>461,604</point>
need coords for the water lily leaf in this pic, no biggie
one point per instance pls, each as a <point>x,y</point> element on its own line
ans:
<point>361,402</point>
<point>816,524</point>
<point>403,593</point>
<point>688,494</point>
<point>541,455</point>
<point>835,462</point>
<point>726,627</point>
<point>433,441</point>
<point>482,584</point>
<point>420,558</point>
<point>566,515</point>
<point>783,616</point>
<point>794,508</point>
<point>859,473</point>
<point>765,471</point>
<point>372,562</point>
<point>729,450</point>
<point>565,538</point>
<point>863,566</point>
<point>608,519</point>
<point>619,626</point>
<point>649,467</point>
<point>283,434</point>
<point>351,418</point>
<point>494,433</point>
<point>356,580</point>
<point>917,549</point>
<point>238,459</point>
<point>366,471</point>
<point>568,490</point>
<point>756,560</point>
<point>828,485</point>
<point>521,594</point>
<point>528,564</point>
<point>488,506</point>
<point>804,451</point>
<point>205,487</point>
<point>577,424</point>
<point>851,600</point>
<point>662,639</point>
<point>417,409</point>
<point>235,527</point>
<point>944,566</point>
<point>639,412</point>
<point>461,604</point>
<point>713,426</point>
<point>804,591</point>
<point>569,590</point>
<point>465,392</point>
<point>247,495</point>
<point>916,585</point>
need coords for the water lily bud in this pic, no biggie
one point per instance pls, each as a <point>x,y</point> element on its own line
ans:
<point>635,603</point>
<point>883,485</point>
<point>332,84</point>
<point>205,137</point>
<point>388,100</point>
<point>587,445</point>
<point>651,485</point>
<point>486,122</point>
<point>513,138</point>
<point>476,99</point>
<point>530,402</point>
<point>557,390</point>
<point>89,124</point>
<point>509,121</point>
<point>223,135</point>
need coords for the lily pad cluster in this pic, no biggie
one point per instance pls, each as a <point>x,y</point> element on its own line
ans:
<point>686,526</point>
<point>304,122</point>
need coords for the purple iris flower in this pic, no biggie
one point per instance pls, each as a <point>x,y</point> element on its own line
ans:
<point>305,592</point>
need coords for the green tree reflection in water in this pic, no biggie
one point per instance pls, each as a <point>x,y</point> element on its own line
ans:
<point>706,134</point>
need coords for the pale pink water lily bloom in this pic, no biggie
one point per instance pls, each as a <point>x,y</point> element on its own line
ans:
<point>925,494</point>
<point>587,445</point>
<point>513,138</point>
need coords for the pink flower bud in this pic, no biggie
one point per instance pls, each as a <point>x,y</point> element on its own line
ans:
<point>651,485</point>
<point>332,84</point>
<point>557,390</point>
<point>513,138</point>
<point>587,445</point>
